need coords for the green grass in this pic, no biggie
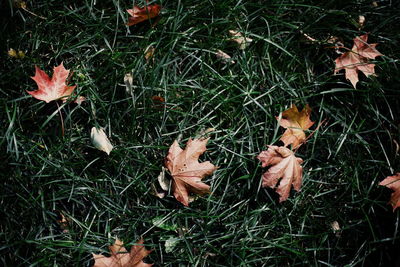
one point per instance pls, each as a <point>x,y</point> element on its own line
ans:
<point>239,224</point>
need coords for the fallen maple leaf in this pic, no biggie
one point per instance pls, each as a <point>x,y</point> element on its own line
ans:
<point>121,258</point>
<point>284,164</point>
<point>186,171</point>
<point>142,14</point>
<point>54,88</point>
<point>358,59</point>
<point>295,123</point>
<point>393,182</point>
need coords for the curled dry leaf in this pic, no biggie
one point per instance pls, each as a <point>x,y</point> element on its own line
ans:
<point>128,80</point>
<point>163,181</point>
<point>361,21</point>
<point>19,4</point>
<point>142,14</point>
<point>62,221</point>
<point>224,57</point>
<point>295,123</point>
<point>186,171</point>
<point>358,59</point>
<point>156,192</point>
<point>100,140</point>
<point>336,228</point>
<point>54,88</point>
<point>393,182</point>
<point>121,258</point>
<point>243,42</point>
<point>284,164</point>
<point>12,53</point>
<point>80,99</point>
<point>149,53</point>
<point>158,101</point>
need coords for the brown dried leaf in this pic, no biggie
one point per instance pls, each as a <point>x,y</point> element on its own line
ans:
<point>224,57</point>
<point>149,53</point>
<point>242,42</point>
<point>295,123</point>
<point>393,182</point>
<point>358,59</point>
<point>186,171</point>
<point>284,164</point>
<point>121,258</point>
<point>361,21</point>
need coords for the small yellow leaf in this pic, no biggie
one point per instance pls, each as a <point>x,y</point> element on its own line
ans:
<point>12,53</point>
<point>21,54</point>
<point>295,123</point>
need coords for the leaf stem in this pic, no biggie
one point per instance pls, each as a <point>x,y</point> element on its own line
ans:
<point>30,12</point>
<point>61,119</point>
<point>338,47</point>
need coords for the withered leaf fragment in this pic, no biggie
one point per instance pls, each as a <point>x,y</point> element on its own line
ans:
<point>393,182</point>
<point>224,57</point>
<point>358,59</point>
<point>12,53</point>
<point>121,258</point>
<point>149,53</point>
<point>142,14</point>
<point>284,164</point>
<point>100,140</point>
<point>186,171</point>
<point>295,123</point>
<point>242,42</point>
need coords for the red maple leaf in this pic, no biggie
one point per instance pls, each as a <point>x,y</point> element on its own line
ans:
<point>142,14</point>
<point>357,59</point>
<point>393,182</point>
<point>54,88</point>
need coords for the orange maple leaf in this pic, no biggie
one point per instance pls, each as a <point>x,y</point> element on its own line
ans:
<point>54,88</point>
<point>358,59</point>
<point>393,182</point>
<point>121,258</point>
<point>142,14</point>
<point>186,171</point>
<point>295,123</point>
<point>284,164</point>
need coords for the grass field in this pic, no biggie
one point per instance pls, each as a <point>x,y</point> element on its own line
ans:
<point>239,224</point>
